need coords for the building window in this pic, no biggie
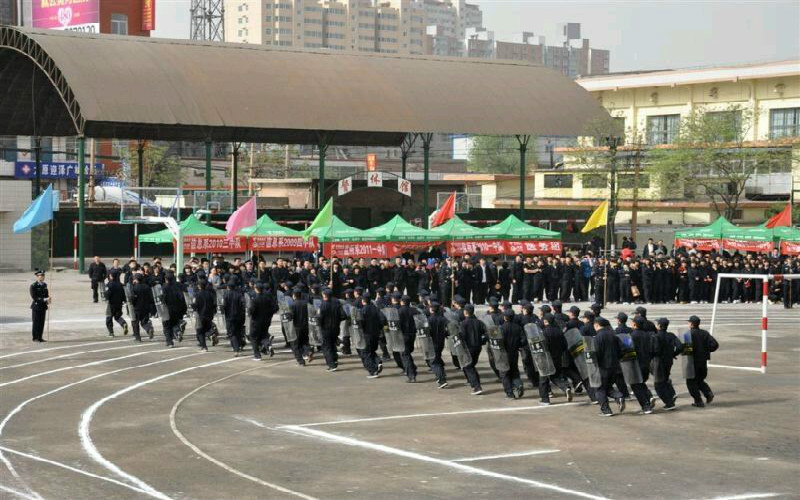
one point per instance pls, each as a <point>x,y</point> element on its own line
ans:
<point>11,153</point>
<point>784,122</point>
<point>662,129</point>
<point>628,181</point>
<point>558,181</point>
<point>594,181</point>
<point>728,124</point>
<point>119,24</point>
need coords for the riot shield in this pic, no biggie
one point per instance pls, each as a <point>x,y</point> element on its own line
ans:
<point>129,300</point>
<point>496,344</point>
<point>424,340</point>
<point>394,338</point>
<point>687,356</point>
<point>538,346</point>
<point>158,298</point>
<point>344,325</point>
<point>576,349</point>
<point>103,292</point>
<point>595,380</point>
<point>357,339</point>
<point>220,295</point>
<point>457,346</point>
<point>628,362</point>
<point>287,321</point>
<point>248,327</point>
<point>314,332</point>
<point>188,299</point>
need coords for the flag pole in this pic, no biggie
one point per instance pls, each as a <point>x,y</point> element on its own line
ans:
<point>607,263</point>
<point>50,269</point>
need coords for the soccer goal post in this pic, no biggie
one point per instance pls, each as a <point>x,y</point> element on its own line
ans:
<point>764,302</point>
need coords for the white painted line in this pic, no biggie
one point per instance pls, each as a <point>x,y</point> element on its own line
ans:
<point>443,414</point>
<point>507,455</point>
<point>468,469</point>
<point>213,460</point>
<point>22,405</point>
<point>69,468</point>
<point>86,422</point>
<point>745,368</point>
<point>18,493</point>
<point>20,353</point>
<point>85,365</point>
<point>60,356</point>
<point>57,321</point>
<point>745,496</point>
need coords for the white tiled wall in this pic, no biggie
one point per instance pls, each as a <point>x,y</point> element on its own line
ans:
<point>15,249</point>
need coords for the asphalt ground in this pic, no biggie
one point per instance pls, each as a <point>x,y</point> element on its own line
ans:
<point>86,416</point>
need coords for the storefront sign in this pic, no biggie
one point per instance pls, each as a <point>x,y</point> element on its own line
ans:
<point>53,170</point>
<point>148,15</point>
<point>71,15</point>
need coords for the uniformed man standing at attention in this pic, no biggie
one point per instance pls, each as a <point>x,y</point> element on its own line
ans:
<point>41,298</point>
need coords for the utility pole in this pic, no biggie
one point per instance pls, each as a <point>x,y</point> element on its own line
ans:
<point>91,171</point>
<point>612,142</point>
<point>637,167</point>
<point>250,180</point>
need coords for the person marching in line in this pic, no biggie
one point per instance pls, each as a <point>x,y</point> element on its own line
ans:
<point>115,296</point>
<point>523,319</point>
<point>143,305</point>
<point>408,329</point>
<point>473,333</point>
<point>608,354</point>
<point>331,315</point>
<point>97,274</point>
<point>261,310</point>
<point>299,309</point>
<point>702,345</point>
<point>205,305</point>
<point>512,342</point>
<point>40,296</point>
<point>438,332</point>
<point>176,308</point>
<point>372,327</point>
<point>667,348</point>
<point>234,310</point>
<point>644,342</point>
<point>557,347</point>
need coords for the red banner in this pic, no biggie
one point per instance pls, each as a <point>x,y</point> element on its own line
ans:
<point>376,249</point>
<point>214,244</point>
<point>703,244</point>
<point>790,247</point>
<point>148,15</point>
<point>747,246</point>
<point>500,247</point>
<point>282,244</point>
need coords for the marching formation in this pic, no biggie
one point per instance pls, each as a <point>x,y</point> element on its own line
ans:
<point>561,352</point>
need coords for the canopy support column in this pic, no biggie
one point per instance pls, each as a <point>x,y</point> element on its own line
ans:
<point>323,151</point>
<point>426,156</point>
<point>235,177</point>
<point>523,141</point>
<point>405,150</point>
<point>208,171</point>
<point>140,157</point>
<point>37,156</point>
<point>81,201</point>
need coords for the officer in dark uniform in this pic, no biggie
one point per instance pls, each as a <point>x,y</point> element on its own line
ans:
<point>115,296</point>
<point>233,306</point>
<point>176,306</point>
<point>205,304</point>
<point>97,273</point>
<point>438,333</point>
<point>143,304</point>
<point>473,333</point>
<point>703,345</point>
<point>299,309</point>
<point>41,298</point>
<point>409,331</point>
<point>512,342</point>
<point>331,314</point>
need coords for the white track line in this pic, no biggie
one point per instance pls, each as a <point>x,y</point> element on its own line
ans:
<point>57,321</point>
<point>84,365</point>
<point>86,422</point>
<point>69,468</point>
<point>213,460</point>
<point>468,469</point>
<point>22,405</point>
<point>61,356</point>
<point>20,353</point>
<point>507,455</point>
<point>746,368</point>
<point>745,496</point>
<point>424,415</point>
<point>18,493</point>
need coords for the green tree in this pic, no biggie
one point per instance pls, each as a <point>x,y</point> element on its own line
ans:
<point>160,168</point>
<point>709,156</point>
<point>496,154</point>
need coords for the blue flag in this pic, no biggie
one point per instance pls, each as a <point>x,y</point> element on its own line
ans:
<point>41,210</point>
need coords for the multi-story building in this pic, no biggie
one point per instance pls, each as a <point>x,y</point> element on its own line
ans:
<point>447,25</point>
<point>573,58</point>
<point>649,106</point>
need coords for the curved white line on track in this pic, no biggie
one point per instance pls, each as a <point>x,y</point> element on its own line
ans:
<point>61,356</point>
<point>22,405</point>
<point>20,353</point>
<point>86,422</point>
<point>213,460</point>
<point>18,493</point>
<point>84,365</point>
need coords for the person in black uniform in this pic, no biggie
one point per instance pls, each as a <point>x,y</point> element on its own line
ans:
<point>97,274</point>
<point>143,305</point>
<point>517,277</point>
<point>607,353</point>
<point>176,305</point>
<point>703,344</point>
<point>41,298</point>
<point>331,314</point>
<point>473,333</point>
<point>438,332</point>
<point>299,308</point>
<point>205,304</point>
<point>262,307</point>
<point>557,347</point>
<point>409,331</point>
<point>372,321</point>
<point>512,342</point>
<point>115,297</point>
<point>234,310</point>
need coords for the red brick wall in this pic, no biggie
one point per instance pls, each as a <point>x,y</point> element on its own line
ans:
<point>133,9</point>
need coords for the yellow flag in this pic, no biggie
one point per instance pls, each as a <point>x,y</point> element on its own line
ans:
<point>599,218</point>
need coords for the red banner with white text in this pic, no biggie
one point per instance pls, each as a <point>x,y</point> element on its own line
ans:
<point>282,244</point>
<point>790,247</point>
<point>500,247</point>
<point>703,244</point>
<point>747,246</point>
<point>214,244</point>
<point>376,249</point>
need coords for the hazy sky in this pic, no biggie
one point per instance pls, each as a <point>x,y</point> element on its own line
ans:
<point>640,34</point>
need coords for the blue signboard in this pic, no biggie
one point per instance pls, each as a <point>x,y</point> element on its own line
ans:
<point>53,170</point>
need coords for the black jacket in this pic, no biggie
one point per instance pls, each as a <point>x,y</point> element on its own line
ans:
<point>233,306</point>
<point>371,320</point>
<point>331,314</point>
<point>300,316</point>
<point>142,300</point>
<point>97,272</point>
<point>473,332</point>
<point>205,303</point>
<point>174,301</point>
<point>608,351</point>
<point>704,344</point>
<point>407,326</point>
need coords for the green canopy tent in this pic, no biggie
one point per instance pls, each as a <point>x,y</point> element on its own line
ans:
<point>269,236</point>
<point>191,226</point>
<point>398,229</point>
<point>713,231</point>
<point>265,226</point>
<point>338,231</point>
<point>785,233</point>
<point>514,229</point>
<point>457,229</point>
<point>199,238</point>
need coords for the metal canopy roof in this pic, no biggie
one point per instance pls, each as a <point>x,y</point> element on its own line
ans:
<point>108,86</point>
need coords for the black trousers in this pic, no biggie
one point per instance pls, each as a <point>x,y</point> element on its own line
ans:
<point>118,318</point>
<point>530,369</point>
<point>437,366</point>
<point>409,367</point>
<point>329,349</point>
<point>664,389</point>
<point>557,379</point>
<point>38,316</point>
<point>516,293</point>
<point>172,329</point>
<point>511,378</point>
<point>95,283</point>
<point>203,327</point>
<point>601,393</point>
<point>369,356</point>
<point>143,321</point>
<point>235,334</point>
<point>470,371</point>
<point>698,385</point>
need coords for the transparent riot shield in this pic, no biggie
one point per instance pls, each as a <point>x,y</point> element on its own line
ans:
<point>103,292</point>
<point>394,338</point>
<point>287,321</point>
<point>314,331</point>
<point>687,356</point>
<point>456,345</point>
<point>248,324</point>
<point>129,301</point>
<point>344,325</point>
<point>595,380</point>
<point>223,328</point>
<point>538,346</point>
<point>357,339</point>
<point>576,349</point>
<point>496,344</point>
<point>424,340</point>
<point>628,362</point>
<point>158,298</point>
